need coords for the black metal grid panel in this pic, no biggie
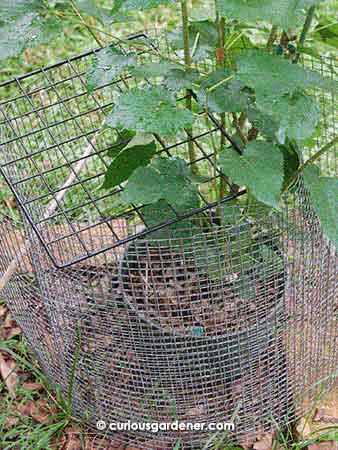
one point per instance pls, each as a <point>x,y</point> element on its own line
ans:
<point>49,126</point>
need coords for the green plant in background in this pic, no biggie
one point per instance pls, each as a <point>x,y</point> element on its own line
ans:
<point>257,86</point>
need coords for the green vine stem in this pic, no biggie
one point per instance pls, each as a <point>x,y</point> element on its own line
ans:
<point>305,30</point>
<point>88,27</point>
<point>220,63</point>
<point>188,64</point>
<point>311,160</point>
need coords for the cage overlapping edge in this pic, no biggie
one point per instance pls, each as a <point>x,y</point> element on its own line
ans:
<point>28,207</point>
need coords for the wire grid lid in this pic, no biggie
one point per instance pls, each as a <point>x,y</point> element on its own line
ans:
<point>53,149</point>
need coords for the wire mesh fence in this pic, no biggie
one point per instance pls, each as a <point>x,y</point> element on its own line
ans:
<point>166,321</point>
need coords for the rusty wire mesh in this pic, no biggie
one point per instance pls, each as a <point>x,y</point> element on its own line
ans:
<point>234,323</point>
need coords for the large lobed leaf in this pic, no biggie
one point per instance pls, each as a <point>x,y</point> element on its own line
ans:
<point>140,5</point>
<point>14,9</point>
<point>160,212</point>
<point>91,8</point>
<point>203,39</point>
<point>25,32</point>
<point>260,169</point>
<point>178,79</point>
<point>151,110</point>
<point>297,116</point>
<point>109,63</point>
<point>284,13</point>
<point>227,97</point>
<point>167,179</point>
<point>152,69</point>
<point>274,76</point>
<point>324,193</point>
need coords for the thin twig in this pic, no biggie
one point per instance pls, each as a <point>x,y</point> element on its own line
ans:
<point>320,152</point>
<point>305,30</point>
<point>51,208</point>
<point>221,63</point>
<point>88,27</point>
<point>188,63</point>
<point>239,129</point>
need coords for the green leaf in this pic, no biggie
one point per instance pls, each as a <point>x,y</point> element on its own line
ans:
<point>14,9</point>
<point>203,39</point>
<point>273,76</point>
<point>92,9</point>
<point>151,110</point>
<point>152,69</point>
<point>297,116</point>
<point>210,256</point>
<point>245,286</point>
<point>271,261</point>
<point>327,32</point>
<point>161,212</point>
<point>228,97</point>
<point>284,13</point>
<point>109,63</point>
<point>291,162</point>
<point>260,169</point>
<point>166,179</point>
<point>178,79</point>
<point>142,5</point>
<point>263,122</point>
<point>140,139</point>
<point>126,162</point>
<point>121,142</point>
<point>242,248</point>
<point>28,31</point>
<point>324,193</point>
<point>206,30</point>
<point>231,213</point>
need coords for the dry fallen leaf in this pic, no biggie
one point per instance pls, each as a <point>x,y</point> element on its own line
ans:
<point>329,445</point>
<point>39,411</point>
<point>8,374</point>
<point>247,442</point>
<point>32,386</point>
<point>72,440</point>
<point>10,422</point>
<point>98,443</point>
<point>3,312</point>
<point>8,332</point>
<point>325,415</point>
<point>265,443</point>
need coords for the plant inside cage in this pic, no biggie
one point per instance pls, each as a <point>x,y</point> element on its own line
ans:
<point>215,214</point>
<point>162,182</point>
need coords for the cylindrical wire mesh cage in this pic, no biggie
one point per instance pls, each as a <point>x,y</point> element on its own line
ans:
<point>234,322</point>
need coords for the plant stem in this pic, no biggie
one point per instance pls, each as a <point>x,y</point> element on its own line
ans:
<point>187,62</point>
<point>221,63</point>
<point>88,27</point>
<point>318,154</point>
<point>305,30</point>
<point>237,124</point>
<point>272,38</point>
<point>311,160</point>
